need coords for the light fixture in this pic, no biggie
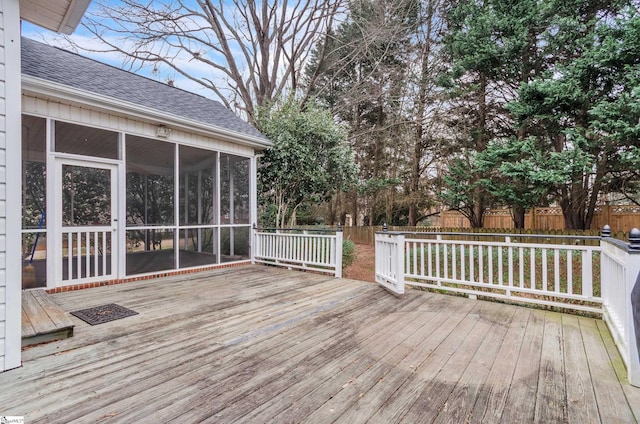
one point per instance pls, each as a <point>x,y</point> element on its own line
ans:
<point>163,131</point>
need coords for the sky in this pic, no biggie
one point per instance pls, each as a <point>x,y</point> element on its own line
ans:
<point>84,38</point>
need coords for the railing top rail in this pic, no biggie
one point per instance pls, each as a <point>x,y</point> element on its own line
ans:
<point>502,235</point>
<point>300,230</point>
<point>627,247</point>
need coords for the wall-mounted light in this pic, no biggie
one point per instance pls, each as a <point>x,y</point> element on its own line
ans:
<point>163,131</point>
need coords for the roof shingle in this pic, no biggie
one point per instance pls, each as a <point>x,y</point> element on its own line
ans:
<point>67,68</point>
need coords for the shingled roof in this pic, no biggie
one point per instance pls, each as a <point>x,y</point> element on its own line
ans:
<point>73,70</point>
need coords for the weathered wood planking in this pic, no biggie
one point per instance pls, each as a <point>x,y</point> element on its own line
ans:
<point>551,406</point>
<point>632,394</point>
<point>261,344</point>
<point>42,319</point>
<point>520,404</point>
<point>492,397</point>
<point>581,400</point>
<point>606,385</point>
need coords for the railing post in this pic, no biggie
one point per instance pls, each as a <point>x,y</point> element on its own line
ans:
<point>253,243</point>
<point>339,237</point>
<point>400,263</point>
<point>507,241</point>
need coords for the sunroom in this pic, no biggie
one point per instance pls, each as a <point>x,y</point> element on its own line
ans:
<point>124,177</point>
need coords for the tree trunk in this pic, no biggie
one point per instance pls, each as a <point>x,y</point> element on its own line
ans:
<point>477,215</point>
<point>332,207</point>
<point>354,207</point>
<point>518,213</point>
<point>418,150</point>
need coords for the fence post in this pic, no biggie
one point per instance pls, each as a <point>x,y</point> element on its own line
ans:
<point>339,237</point>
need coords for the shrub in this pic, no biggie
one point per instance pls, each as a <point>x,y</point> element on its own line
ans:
<point>348,253</point>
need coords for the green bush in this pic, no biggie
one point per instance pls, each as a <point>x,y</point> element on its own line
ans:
<point>348,253</point>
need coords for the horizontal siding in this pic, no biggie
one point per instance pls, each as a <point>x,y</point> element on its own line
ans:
<point>3,191</point>
<point>73,113</point>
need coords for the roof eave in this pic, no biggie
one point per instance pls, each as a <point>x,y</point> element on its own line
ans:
<point>64,92</point>
<point>72,18</point>
<point>39,12</point>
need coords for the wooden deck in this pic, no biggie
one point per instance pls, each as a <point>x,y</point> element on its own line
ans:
<point>43,320</point>
<point>263,345</point>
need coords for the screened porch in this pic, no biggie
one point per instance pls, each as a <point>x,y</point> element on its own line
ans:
<point>105,205</point>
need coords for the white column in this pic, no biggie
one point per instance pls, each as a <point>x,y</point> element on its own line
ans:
<point>10,186</point>
<point>253,202</point>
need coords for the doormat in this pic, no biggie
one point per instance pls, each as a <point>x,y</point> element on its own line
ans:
<point>104,313</point>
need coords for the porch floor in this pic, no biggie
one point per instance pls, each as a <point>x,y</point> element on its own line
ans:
<point>260,344</point>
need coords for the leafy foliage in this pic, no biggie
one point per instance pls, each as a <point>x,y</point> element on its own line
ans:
<point>542,95</point>
<point>309,162</point>
<point>349,254</point>
<point>462,103</point>
<point>586,110</point>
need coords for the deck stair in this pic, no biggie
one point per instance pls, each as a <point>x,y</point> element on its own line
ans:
<point>43,320</point>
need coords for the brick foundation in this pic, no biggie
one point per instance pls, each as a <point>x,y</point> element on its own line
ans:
<point>144,277</point>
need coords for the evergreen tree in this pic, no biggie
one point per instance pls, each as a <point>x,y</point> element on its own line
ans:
<point>492,48</point>
<point>586,108</point>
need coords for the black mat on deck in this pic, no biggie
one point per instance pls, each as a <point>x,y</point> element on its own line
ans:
<point>104,313</point>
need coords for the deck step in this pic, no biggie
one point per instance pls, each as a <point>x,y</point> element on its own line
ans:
<point>43,320</point>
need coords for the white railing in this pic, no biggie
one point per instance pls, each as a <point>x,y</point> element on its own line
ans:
<point>514,267</point>
<point>313,250</point>
<point>86,254</point>
<point>389,260</point>
<point>620,274</point>
<point>559,271</point>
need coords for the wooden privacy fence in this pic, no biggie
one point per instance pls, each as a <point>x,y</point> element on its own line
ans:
<point>315,250</point>
<point>618,217</point>
<point>588,273</point>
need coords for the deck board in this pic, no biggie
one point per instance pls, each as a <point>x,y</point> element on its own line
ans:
<point>438,391</point>
<point>551,395</point>
<point>42,319</point>
<point>606,385</point>
<point>462,400</point>
<point>632,394</point>
<point>262,344</point>
<point>491,399</point>
<point>524,383</point>
<point>581,400</point>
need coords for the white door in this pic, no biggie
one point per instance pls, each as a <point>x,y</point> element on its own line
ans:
<point>86,220</point>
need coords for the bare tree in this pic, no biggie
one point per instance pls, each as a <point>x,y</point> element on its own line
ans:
<point>378,73</point>
<point>247,52</point>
